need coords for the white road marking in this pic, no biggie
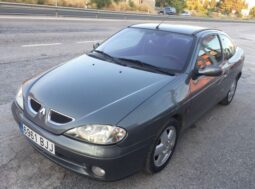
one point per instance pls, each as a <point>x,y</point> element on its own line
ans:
<point>53,44</point>
<point>80,42</point>
<point>40,45</point>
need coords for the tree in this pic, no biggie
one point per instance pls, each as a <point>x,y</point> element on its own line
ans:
<point>238,5</point>
<point>131,3</point>
<point>206,4</point>
<point>196,5</point>
<point>229,6</point>
<point>212,4</point>
<point>101,3</point>
<point>252,12</point>
<point>177,4</point>
<point>160,3</point>
<point>226,6</point>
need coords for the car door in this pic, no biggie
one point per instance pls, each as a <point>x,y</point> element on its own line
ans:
<point>229,63</point>
<point>203,90</point>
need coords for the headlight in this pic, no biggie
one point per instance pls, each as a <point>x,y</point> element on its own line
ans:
<point>98,134</point>
<point>19,98</point>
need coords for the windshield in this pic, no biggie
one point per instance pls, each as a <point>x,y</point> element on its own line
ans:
<point>154,47</point>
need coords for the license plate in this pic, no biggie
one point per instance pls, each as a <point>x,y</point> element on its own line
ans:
<point>38,139</point>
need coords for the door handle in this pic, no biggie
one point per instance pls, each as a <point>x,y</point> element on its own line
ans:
<point>225,73</point>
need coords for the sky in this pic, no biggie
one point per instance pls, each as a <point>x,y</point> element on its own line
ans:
<point>251,3</point>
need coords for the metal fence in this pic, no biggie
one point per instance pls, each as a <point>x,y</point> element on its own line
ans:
<point>7,8</point>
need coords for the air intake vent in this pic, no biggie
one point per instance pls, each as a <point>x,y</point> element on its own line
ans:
<point>34,105</point>
<point>58,118</point>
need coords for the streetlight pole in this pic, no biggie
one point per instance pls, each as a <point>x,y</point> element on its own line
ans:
<point>56,3</point>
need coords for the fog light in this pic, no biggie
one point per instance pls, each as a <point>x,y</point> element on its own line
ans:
<point>98,171</point>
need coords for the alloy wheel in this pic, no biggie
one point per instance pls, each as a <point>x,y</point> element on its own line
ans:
<point>232,90</point>
<point>165,146</point>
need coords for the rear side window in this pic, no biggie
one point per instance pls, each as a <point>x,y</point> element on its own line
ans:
<point>228,47</point>
<point>210,52</point>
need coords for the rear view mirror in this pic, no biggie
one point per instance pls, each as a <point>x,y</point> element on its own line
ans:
<point>210,70</point>
<point>96,45</point>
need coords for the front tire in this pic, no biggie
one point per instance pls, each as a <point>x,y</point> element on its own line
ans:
<point>162,148</point>
<point>231,93</point>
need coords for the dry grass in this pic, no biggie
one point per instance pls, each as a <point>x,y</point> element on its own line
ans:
<point>122,6</point>
<point>68,3</point>
<point>22,1</point>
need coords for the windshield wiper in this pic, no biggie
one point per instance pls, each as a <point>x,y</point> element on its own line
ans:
<point>145,65</point>
<point>104,54</point>
<point>113,59</point>
<point>133,61</point>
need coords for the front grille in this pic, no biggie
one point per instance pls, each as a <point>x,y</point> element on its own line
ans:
<point>53,116</point>
<point>59,118</point>
<point>34,105</point>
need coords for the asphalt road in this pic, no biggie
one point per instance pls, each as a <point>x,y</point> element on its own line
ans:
<point>218,152</point>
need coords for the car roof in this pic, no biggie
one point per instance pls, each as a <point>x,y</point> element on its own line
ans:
<point>182,29</point>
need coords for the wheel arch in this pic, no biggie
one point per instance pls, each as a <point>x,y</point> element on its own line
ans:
<point>239,76</point>
<point>179,119</point>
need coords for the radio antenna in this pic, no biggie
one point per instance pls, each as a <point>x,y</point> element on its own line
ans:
<point>157,27</point>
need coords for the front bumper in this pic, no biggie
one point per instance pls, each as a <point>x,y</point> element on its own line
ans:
<point>118,162</point>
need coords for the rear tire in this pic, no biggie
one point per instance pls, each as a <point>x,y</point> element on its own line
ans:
<point>231,93</point>
<point>163,148</point>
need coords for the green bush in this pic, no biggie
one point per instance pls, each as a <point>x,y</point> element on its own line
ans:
<point>131,3</point>
<point>101,3</point>
<point>252,12</point>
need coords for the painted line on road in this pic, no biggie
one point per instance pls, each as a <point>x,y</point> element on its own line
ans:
<point>40,45</point>
<point>81,42</point>
<point>54,44</point>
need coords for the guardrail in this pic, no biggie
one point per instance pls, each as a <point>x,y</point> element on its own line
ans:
<point>7,8</point>
<point>66,8</point>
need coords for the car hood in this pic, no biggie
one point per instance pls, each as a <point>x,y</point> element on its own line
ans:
<point>94,91</point>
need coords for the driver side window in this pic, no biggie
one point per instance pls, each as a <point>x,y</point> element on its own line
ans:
<point>210,52</point>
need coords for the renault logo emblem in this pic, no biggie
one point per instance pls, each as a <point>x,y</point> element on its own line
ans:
<point>42,112</point>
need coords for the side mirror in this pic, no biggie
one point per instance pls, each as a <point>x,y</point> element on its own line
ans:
<point>210,70</point>
<point>95,45</point>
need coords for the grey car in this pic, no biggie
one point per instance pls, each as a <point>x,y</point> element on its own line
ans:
<point>168,11</point>
<point>121,108</point>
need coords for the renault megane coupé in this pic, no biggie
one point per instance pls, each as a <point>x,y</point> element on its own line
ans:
<point>120,108</point>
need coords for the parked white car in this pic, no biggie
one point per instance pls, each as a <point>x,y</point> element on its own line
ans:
<point>185,13</point>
